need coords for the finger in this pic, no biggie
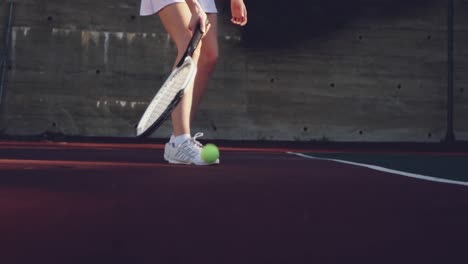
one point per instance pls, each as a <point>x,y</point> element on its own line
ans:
<point>207,25</point>
<point>192,24</point>
<point>244,22</point>
<point>236,20</point>
<point>202,25</point>
<point>245,16</point>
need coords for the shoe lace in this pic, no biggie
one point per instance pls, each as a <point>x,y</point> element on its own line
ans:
<point>193,145</point>
<point>195,142</point>
<point>191,148</point>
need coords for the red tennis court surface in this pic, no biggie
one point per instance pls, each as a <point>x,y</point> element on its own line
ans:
<point>121,203</point>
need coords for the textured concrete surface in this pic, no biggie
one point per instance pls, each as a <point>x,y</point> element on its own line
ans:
<point>317,70</point>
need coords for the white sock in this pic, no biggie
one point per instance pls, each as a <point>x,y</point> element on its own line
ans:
<point>177,140</point>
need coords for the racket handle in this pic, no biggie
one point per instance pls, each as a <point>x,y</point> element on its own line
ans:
<point>196,37</point>
<point>192,46</point>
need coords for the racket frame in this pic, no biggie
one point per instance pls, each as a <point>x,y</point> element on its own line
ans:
<point>186,59</point>
<point>141,131</point>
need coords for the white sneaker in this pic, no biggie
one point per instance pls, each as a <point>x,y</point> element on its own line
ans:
<point>189,152</point>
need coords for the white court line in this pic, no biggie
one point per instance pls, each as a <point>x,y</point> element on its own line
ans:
<point>378,168</point>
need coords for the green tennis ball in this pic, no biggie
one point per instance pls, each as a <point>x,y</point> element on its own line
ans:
<point>210,153</point>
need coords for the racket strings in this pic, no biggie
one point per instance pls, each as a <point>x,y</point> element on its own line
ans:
<point>166,95</point>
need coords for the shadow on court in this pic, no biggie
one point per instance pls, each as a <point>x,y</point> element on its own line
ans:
<point>120,203</point>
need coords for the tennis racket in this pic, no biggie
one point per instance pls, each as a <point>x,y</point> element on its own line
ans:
<point>171,92</point>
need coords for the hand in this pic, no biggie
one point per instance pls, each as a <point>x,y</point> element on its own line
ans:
<point>198,16</point>
<point>238,12</point>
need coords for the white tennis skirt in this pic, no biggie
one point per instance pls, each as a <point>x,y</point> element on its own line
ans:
<point>149,7</point>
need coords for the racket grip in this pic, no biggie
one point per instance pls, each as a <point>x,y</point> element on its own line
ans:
<point>196,37</point>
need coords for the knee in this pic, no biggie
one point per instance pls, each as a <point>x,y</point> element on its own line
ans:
<point>209,58</point>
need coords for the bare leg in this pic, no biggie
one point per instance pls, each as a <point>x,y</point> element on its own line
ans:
<point>176,18</point>
<point>206,63</point>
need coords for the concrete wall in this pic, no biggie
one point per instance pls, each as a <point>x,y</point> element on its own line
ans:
<point>461,69</point>
<point>339,70</point>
